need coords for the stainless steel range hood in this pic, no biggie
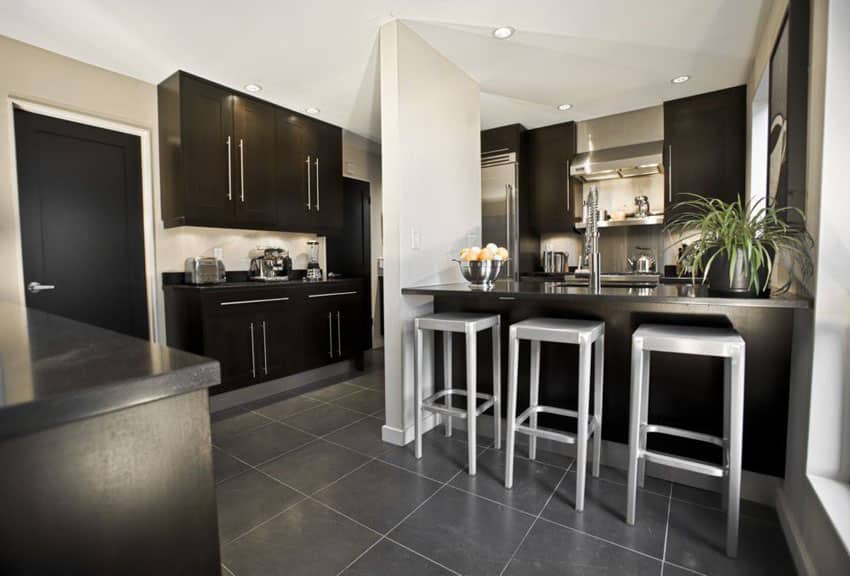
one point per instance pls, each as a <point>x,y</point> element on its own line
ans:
<point>621,162</point>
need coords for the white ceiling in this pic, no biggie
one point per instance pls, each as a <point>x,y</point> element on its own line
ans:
<point>602,56</point>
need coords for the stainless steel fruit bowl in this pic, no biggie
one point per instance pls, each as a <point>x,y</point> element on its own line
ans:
<point>480,272</point>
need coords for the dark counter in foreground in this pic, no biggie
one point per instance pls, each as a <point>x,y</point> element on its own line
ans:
<point>686,390</point>
<point>105,451</point>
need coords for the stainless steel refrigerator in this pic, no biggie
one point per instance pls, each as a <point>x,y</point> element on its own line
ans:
<point>500,207</point>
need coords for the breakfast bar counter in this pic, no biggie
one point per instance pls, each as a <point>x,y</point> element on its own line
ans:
<point>686,391</point>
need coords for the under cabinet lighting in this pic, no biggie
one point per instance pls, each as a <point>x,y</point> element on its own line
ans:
<point>504,32</point>
<point>680,79</point>
<point>253,87</point>
<point>313,110</point>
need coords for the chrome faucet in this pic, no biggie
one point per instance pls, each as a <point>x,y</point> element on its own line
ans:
<point>591,239</point>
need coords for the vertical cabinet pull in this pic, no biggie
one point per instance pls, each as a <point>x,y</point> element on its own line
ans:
<point>309,204</point>
<point>670,173</point>
<point>265,351</point>
<point>253,354</point>
<point>569,206</point>
<point>229,172</point>
<point>317,183</point>
<point>242,167</point>
<point>330,334</point>
<point>338,334</point>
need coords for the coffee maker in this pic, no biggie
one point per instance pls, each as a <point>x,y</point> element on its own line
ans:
<point>270,264</point>
<point>314,272</point>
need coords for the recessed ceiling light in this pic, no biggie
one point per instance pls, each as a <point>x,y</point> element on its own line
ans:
<point>253,87</point>
<point>680,79</point>
<point>565,107</point>
<point>504,32</point>
<point>312,110</point>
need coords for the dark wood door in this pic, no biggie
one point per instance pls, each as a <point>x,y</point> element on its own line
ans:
<point>274,337</point>
<point>233,337</point>
<point>295,154</point>
<point>209,153</point>
<point>705,147</point>
<point>81,222</point>
<point>349,325</point>
<point>328,174</point>
<point>254,133</point>
<point>550,150</point>
<point>315,345</point>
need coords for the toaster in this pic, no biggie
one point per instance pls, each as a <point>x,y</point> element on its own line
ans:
<point>204,270</point>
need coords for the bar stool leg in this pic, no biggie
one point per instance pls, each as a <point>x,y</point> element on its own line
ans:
<point>727,391</point>
<point>599,361</point>
<point>417,391</point>
<point>447,376</point>
<point>644,418</point>
<point>497,383</point>
<point>736,435</point>
<point>513,369</point>
<point>533,395</point>
<point>638,372</point>
<point>471,399</point>
<point>581,434</point>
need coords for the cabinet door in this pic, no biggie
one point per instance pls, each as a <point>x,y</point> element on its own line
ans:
<point>232,338</point>
<point>295,155</point>
<point>550,150</point>
<point>348,316</point>
<point>254,191</point>
<point>208,153</point>
<point>315,344</point>
<point>705,147</point>
<point>275,337</point>
<point>328,174</point>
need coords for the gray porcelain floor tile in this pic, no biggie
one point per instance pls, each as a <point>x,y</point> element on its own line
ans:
<point>226,466</point>
<point>365,401</point>
<point>248,499</point>
<point>557,551</point>
<point>233,421</point>
<point>533,482</point>
<point>673,570</point>
<point>371,380</point>
<point>463,532</point>
<point>333,392</point>
<point>389,559</point>
<point>283,409</point>
<point>264,443</point>
<point>378,495</point>
<point>441,458</point>
<point>605,512</point>
<point>363,436</point>
<point>696,540</point>
<point>714,500</point>
<point>323,419</point>
<point>313,466</point>
<point>652,484</point>
<point>307,540</point>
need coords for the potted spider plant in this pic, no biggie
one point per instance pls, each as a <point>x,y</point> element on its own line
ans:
<point>733,245</point>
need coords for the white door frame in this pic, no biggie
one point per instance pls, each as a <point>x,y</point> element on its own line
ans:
<point>148,216</point>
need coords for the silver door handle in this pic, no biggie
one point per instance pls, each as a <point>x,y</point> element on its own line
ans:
<point>569,207</point>
<point>670,173</point>
<point>265,351</point>
<point>237,302</point>
<point>309,205</point>
<point>229,172</point>
<point>331,334</point>
<point>253,353</point>
<point>36,287</point>
<point>242,167</point>
<point>317,183</point>
<point>338,334</point>
<point>328,294</point>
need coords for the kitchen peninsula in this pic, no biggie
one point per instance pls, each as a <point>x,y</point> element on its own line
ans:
<point>687,391</point>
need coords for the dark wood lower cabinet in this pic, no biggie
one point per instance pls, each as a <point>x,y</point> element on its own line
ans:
<point>268,332</point>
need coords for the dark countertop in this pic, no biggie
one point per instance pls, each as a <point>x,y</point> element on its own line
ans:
<point>229,285</point>
<point>665,293</point>
<point>54,371</point>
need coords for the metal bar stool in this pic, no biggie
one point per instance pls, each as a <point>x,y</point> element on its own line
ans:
<point>470,325</point>
<point>585,333</point>
<point>720,342</point>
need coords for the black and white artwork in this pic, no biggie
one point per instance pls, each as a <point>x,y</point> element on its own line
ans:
<point>777,144</point>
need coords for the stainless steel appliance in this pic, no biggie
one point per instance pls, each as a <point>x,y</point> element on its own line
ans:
<point>591,240</point>
<point>314,271</point>
<point>641,206</point>
<point>204,270</point>
<point>499,206</point>
<point>620,162</point>
<point>555,262</point>
<point>642,261</point>
<point>270,264</point>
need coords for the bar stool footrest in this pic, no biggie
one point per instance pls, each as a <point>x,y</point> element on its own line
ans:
<point>682,463</point>
<point>682,433</point>
<point>430,403</point>
<point>549,434</point>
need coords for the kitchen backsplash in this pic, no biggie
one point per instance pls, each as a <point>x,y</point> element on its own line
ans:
<point>615,244</point>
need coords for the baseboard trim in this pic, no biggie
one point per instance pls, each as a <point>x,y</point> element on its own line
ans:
<point>402,437</point>
<point>799,552</point>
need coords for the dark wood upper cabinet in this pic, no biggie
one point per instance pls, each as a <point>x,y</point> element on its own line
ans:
<point>231,160</point>
<point>550,150</point>
<point>705,147</point>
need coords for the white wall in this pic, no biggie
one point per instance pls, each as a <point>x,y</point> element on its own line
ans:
<point>430,134</point>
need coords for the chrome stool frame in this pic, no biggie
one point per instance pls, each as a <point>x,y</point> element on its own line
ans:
<point>718,342</point>
<point>470,325</point>
<point>585,333</point>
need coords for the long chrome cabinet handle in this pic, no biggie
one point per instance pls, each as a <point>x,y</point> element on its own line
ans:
<point>669,172</point>
<point>317,183</point>
<point>242,167</point>
<point>569,207</point>
<point>309,204</point>
<point>253,353</point>
<point>229,171</point>
<point>236,302</point>
<point>329,294</point>
<point>338,334</point>
<point>331,334</point>
<point>265,351</point>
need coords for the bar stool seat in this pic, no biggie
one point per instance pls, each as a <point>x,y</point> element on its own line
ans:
<point>698,341</point>
<point>440,402</point>
<point>586,334</point>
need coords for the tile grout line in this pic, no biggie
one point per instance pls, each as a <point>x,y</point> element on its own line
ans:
<point>600,538</point>
<point>666,529</point>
